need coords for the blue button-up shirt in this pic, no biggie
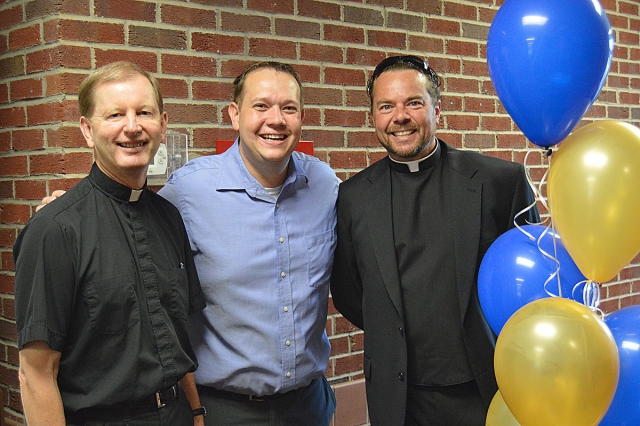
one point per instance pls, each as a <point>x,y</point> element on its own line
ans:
<point>264,265</point>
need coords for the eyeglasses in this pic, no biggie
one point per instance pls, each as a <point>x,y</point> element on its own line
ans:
<point>408,61</point>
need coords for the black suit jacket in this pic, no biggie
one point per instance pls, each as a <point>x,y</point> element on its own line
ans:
<point>487,193</point>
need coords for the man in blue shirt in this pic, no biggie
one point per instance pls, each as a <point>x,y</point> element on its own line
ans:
<point>261,222</point>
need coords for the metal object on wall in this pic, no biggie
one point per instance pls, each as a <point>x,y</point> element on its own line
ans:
<point>171,155</point>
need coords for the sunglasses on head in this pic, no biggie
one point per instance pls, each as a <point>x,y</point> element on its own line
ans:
<point>411,61</point>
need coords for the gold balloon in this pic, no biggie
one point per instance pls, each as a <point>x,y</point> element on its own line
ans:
<point>499,414</point>
<point>556,364</point>
<point>594,197</point>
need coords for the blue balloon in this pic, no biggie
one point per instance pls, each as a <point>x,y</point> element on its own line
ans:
<point>548,61</point>
<point>514,270</point>
<point>625,407</point>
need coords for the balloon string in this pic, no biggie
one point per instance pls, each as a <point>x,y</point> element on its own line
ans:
<point>553,258</point>
<point>543,201</point>
<point>590,295</point>
<point>543,180</point>
<point>591,289</point>
<point>530,206</point>
<point>537,192</point>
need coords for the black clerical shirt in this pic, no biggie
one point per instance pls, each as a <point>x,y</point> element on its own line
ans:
<point>105,276</point>
<point>425,252</point>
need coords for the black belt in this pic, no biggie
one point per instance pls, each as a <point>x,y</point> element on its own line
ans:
<point>125,410</point>
<point>166,397</point>
<point>208,390</point>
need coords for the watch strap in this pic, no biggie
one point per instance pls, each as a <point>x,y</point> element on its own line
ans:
<point>199,412</point>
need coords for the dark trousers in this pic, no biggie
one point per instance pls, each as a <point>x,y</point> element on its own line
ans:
<point>309,406</point>
<point>177,413</point>
<point>457,405</point>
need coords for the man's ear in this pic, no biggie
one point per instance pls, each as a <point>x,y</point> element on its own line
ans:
<point>437,109</point>
<point>164,121</point>
<point>234,112</point>
<point>87,131</point>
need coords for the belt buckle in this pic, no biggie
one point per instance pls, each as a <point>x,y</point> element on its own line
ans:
<point>255,398</point>
<point>159,401</point>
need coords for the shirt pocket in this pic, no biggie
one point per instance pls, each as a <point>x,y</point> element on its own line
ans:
<point>320,250</point>
<point>113,305</point>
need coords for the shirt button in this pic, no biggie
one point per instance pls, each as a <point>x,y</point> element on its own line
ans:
<point>286,309</point>
<point>401,376</point>
<point>277,205</point>
<point>288,374</point>
<point>281,240</point>
<point>288,342</point>
<point>401,331</point>
<point>283,274</point>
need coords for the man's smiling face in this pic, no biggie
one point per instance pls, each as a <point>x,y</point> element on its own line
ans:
<point>125,129</point>
<point>268,118</point>
<point>403,114</point>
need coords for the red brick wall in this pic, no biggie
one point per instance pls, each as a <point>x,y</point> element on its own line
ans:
<point>197,47</point>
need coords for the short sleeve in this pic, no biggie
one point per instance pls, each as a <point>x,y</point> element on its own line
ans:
<point>44,283</point>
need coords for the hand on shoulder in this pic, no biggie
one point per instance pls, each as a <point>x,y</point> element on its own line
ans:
<point>46,200</point>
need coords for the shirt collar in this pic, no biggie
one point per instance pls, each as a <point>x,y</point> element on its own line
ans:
<point>114,189</point>
<point>234,174</point>
<point>417,165</point>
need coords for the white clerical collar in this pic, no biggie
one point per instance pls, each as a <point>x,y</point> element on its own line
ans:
<point>135,195</point>
<point>414,165</point>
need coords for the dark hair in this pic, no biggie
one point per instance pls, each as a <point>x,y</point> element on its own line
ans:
<point>406,62</point>
<point>115,71</point>
<point>238,83</point>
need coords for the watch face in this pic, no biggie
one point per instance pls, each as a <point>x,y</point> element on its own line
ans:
<point>200,412</point>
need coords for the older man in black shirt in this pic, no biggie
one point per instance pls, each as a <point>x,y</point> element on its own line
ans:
<point>105,277</point>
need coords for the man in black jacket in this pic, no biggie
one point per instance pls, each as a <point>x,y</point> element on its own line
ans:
<point>412,231</point>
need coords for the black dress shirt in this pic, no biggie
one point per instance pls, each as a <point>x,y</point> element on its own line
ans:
<point>105,275</point>
<point>425,252</point>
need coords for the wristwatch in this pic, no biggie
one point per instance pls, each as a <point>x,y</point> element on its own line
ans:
<point>199,412</point>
